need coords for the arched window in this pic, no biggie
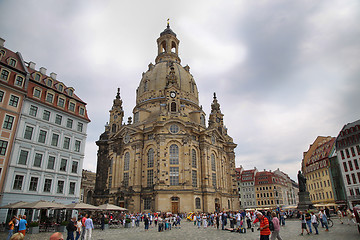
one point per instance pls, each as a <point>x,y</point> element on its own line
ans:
<point>213,166</point>
<point>197,203</point>
<point>113,128</point>
<point>163,46</point>
<point>202,120</point>
<point>173,107</point>
<point>174,154</point>
<point>193,158</point>
<point>89,197</point>
<point>150,158</point>
<point>126,161</point>
<point>173,47</point>
<point>228,204</point>
<point>145,85</point>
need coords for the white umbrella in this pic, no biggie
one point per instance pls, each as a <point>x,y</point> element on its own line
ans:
<point>81,206</point>
<point>41,204</point>
<point>111,207</point>
<point>15,205</point>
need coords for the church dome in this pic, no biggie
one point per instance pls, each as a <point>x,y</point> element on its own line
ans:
<point>154,82</point>
<point>167,72</point>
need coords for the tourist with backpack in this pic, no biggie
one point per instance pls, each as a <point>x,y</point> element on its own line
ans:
<point>275,228</point>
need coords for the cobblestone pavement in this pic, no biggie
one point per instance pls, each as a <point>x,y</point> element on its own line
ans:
<point>189,231</point>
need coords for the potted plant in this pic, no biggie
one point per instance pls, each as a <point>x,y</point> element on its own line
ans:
<point>62,226</point>
<point>127,223</point>
<point>106,226</point>
<point>33,227</point>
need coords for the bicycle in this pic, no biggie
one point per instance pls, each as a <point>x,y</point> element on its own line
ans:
<point>329,221</point>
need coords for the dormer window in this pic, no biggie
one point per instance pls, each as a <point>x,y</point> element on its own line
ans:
<point>37,93</point>
<point>37,77</point>
<point>72,106</point>
<point>70,91</point>
<point>61,102</point>
<point>4,75</point>
<point>12,62</point>
<point>61,87</point>
<point>49,83</point>
<point>2,52</point>
<point>82,111</point>
<point>19,81</point>
<point>49,97</point>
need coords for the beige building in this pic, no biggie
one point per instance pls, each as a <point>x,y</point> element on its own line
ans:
<point>316,169</point>
<point>87,186</point>
<point>167,158</point>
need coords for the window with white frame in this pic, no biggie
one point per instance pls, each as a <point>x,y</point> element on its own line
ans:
<point>28,132</point>
<point>33,184</point>
<point>14,100</point>
<point>174,176</point>
<point>150,177</point>
<point>60,186</point>
<point>8,122</point>
<point>63,164</point>
<point>46,115</point>
<point>19,81</point>
<point>80,126</point>
<point>61,102</point>
<point>51,162</point>
<point>18,182</point>
<point>66,144</point>
<point>54,139</point>
<point>3,147</point>
<point>49,97</point>
<point>77,146</point>
<point>126,161</point>
<point>174,154</point>
<point>38,159</point>
<point>33,110</point>
<point>23,157</point>
<point>150,158</point>
<point>42,136</point>
<point>47,185</point>
<point>4,75</point>
<point>69,123</point>
<point>72,188</point>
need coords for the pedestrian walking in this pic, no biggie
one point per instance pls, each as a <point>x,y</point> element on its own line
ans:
<point>264,226</point>
<point>276,233</point>
<point>303,223</point>
<point>314,222</point>
<point>71,228</point>
<point>340,216</point>
<point>324,220</point>
<point>78,228</point>
<point>308,220</point>
<point>146,223</point>
<point>83,226</point>
<point>89,226</point>
<point>22,225</point>
<point>11,225</point>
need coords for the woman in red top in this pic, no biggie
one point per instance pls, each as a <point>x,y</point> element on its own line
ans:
<point>264,226</point>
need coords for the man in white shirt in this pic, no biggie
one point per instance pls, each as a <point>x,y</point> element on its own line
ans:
<point>89,226</point>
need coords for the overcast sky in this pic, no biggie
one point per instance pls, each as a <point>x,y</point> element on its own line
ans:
<point>284,72</point>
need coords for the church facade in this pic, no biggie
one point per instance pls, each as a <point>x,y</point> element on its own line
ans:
<point>166,158</point>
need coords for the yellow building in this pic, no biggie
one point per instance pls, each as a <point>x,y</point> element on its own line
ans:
<point>269,189</point>
<point>315,166</point>
<point>166,158</point>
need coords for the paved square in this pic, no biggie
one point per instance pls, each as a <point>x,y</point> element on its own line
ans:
<point>189,231</point>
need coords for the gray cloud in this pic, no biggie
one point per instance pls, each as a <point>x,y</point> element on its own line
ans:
<point>284,72</point>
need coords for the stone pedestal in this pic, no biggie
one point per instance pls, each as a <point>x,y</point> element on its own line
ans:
<point>304,201</point>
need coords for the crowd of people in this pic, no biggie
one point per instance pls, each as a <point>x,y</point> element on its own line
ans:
<point>267,222</point>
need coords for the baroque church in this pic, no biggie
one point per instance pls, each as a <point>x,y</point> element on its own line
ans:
<point>165,158</point>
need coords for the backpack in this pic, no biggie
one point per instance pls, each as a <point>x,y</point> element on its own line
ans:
<point>271,225</point>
